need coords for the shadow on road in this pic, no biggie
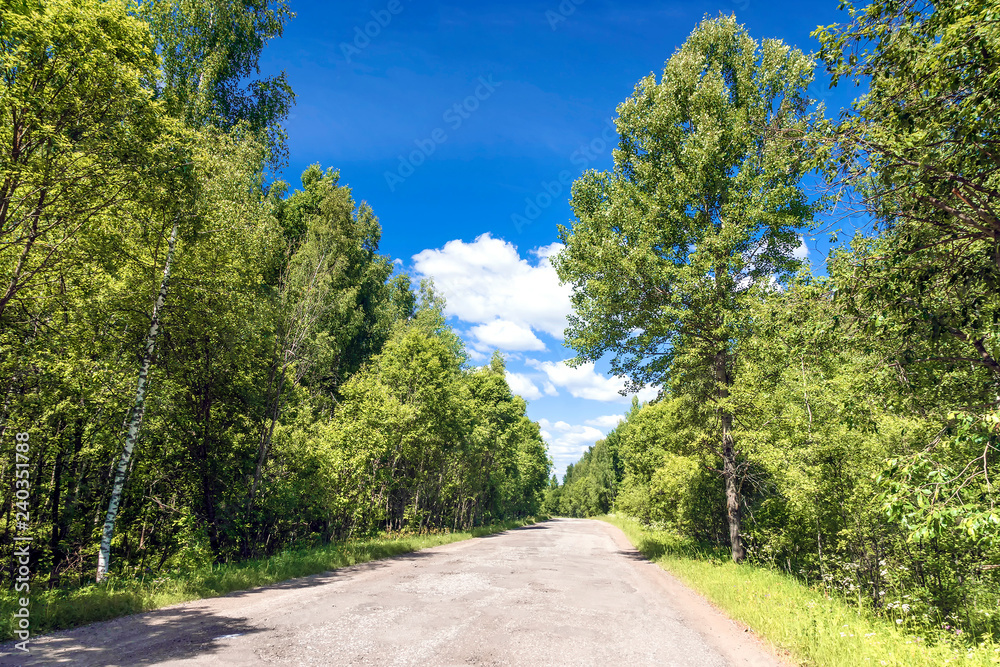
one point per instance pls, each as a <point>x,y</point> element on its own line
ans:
<point>142,639</point>
<point>632,554</point>
<point>171,633</point>
<point>534,526</point>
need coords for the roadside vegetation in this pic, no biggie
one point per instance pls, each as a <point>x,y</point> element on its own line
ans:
<point>135,591</point>
<point>810,624</point>
<point>201,366</point>
<point>837,434</point>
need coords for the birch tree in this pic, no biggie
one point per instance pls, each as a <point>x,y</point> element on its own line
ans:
<point>135,416</point>
<point>209,51</point>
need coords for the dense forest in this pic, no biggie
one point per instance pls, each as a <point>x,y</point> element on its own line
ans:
<point>841,427</point>
<point>200,363</point>
<point>209,366</point>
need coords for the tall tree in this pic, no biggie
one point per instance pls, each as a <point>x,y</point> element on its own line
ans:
<point>333,283</point>
<point>209,49</point>
<point>82,135</point>
<point>699,213</point>
<point>211,62</point>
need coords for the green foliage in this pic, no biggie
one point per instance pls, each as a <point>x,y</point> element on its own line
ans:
<point>946,490</point>
<point>298,391</point>
<point>919,152</point>
<point>701,208</point>
<point>83,138</point>
<point>418,440</point>
<point>671,249</point>
<point>210,52</point>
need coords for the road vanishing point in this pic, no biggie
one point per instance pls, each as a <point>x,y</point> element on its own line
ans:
<point>560,592</point>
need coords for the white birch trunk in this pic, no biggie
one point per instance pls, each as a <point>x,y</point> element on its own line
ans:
<point>135,419</point>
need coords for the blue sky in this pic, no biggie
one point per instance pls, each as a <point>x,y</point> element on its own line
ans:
<point>462,125</point>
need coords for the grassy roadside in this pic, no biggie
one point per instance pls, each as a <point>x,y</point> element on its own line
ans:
<point>67,608</point>
<point>817,630</point>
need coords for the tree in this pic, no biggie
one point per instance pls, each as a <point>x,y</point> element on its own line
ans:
<point>211,53</point>
<point>209,49</point>
<point>85,136</point>
<point>333,286</point>
<point>920,148</point>
<point>698,215</point>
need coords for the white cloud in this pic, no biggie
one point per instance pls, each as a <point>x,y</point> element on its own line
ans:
<point>476,355</point>
<point>605,421</point>
<point>585,382</point>
<point>523,386</point>
<point>802,252</point>
<point>548,250</point>
<point>487,280</point>
<point>567,442</point>
<point>504,335</point>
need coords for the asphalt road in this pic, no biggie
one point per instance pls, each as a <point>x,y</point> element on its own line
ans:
<point>563,592</point>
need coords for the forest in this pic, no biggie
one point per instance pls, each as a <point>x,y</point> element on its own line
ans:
<point>199,364</point>
<point>840,426</point>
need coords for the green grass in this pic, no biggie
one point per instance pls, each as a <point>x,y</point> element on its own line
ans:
<point>814,628</point>
<point>67,608</point>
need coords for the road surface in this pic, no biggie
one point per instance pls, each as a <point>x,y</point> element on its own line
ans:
<point>562,592</point>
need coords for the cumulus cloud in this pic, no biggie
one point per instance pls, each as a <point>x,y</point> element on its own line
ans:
<point>567,442</point>
<point>487,281</point>
<point>605,421</point>
<point>523,386</point>
<point>585,382</point>
<point>505,335</point>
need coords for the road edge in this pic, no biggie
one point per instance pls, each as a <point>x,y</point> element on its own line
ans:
<point>734,640</point>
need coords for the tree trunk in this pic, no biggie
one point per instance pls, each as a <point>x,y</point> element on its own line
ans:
<point>56,534</point>
<point>734,511</point>
<point>135,419</point>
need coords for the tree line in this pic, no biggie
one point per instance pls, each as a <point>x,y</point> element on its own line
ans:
<point>842,427</point>
<point>211,366</point>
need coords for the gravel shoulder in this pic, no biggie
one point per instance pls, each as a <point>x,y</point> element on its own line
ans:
<point>560,592</point>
